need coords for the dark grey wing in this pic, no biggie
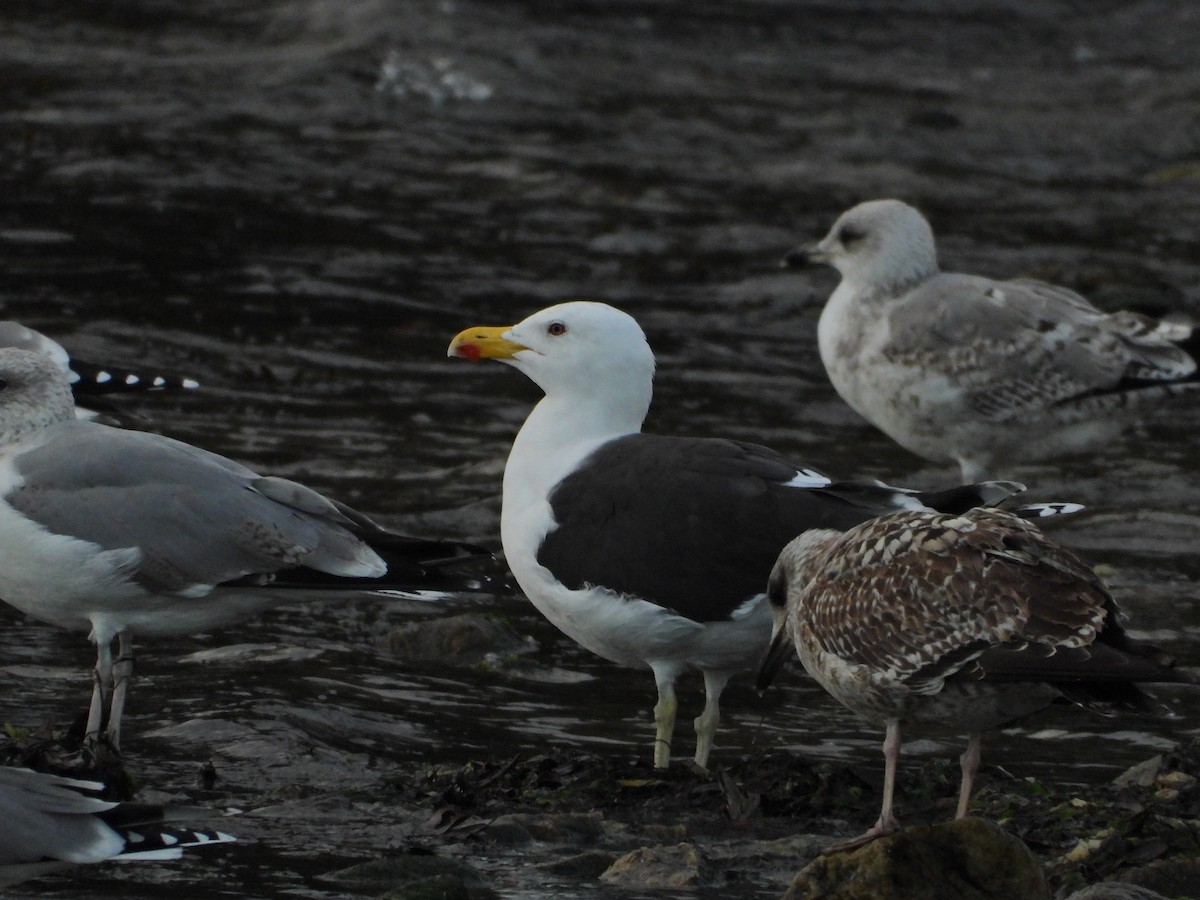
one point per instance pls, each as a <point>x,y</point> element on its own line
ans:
<point>692,524</point>
<point>197,518</point>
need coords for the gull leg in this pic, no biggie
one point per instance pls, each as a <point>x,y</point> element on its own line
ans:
<point>891,759</point>
<point>101,678</point>
<point>664,715</point>
<point>970,767</point>
<point>122,673</point>
<point>887,823</point>
<point>707,722</point>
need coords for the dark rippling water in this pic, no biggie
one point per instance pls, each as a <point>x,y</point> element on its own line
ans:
<point>301,201</point>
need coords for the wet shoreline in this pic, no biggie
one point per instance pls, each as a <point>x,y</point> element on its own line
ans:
<point>301,202</point>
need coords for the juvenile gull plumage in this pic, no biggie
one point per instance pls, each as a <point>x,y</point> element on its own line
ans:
<point>651,550</point>
<point>117,532</point>
<point>48,822</point>
<point>965,622</point>
<point>961,368</point>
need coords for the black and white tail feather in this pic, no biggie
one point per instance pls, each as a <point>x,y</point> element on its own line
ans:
<point>50,822</point>
<point>92,379</point>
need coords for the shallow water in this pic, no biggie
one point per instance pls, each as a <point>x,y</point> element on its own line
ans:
<point>301,201</point>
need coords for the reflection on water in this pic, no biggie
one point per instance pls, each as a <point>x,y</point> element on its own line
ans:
<point>300,202</point>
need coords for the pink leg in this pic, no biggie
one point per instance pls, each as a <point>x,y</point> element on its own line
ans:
<point>887,823</point>
<point>970,767</point>
<point>101,682</point>
<point>122,673</point>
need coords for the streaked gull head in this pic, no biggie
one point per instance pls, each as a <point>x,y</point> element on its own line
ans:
<point>880,247</point>
<point>34,393</point>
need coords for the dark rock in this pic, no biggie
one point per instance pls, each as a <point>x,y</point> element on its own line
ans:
<point>457,640</point>
<point>402,870</point>
<point>661,867</point>
<point>439,887</point>
<point>507,833</point>
<point>586,866</point>
<point>558,828</point>
<point>969,859</point>
<point>1176,878</point>
<point>1115,890</point>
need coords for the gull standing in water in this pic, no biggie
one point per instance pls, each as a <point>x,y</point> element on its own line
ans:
<point>652,550</point>
<point>956,622</point>
<point>961,368</point>
<point>118,532</point>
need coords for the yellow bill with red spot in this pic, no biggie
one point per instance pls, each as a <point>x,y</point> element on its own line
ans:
<point>484,342</point>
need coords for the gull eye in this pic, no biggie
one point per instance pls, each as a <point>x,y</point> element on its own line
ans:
<point>556,329</point>
<point>848,235</point>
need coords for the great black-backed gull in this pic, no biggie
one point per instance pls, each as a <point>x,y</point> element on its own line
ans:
<point>646,549</point>
<point>961,368</point>
<point>49,822</point>
<point>964,622</point>
<point>117,532</point>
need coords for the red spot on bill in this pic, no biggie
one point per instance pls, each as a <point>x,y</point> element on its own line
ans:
<point>468,351</point>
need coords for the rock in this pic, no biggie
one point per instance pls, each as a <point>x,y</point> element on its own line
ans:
<point>586,866</point>
<point>1176,878</point>
<point>406,870</point>
<point>558,828</point>
<point>439,887</point>
<point>969,859</point>
<point>1115,890</point>
<point>661,867</point>
<point>458,640</point>
<point>1142,775</point>
<point>507,833</point>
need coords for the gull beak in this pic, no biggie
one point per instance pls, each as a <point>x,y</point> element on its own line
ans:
<point>484,342</point>
<point>804,255</point>
<point>777,654</point>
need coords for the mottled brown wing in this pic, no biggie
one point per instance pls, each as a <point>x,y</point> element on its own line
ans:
<point>921,595</point>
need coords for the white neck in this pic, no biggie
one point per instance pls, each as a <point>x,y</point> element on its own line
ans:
<point>559,434</point>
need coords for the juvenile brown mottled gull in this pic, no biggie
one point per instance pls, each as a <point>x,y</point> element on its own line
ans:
<point>983,373</point>
<point>963,622</point>
<point>651,550</point>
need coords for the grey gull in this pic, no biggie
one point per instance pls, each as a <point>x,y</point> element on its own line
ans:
<point>962,368</point>
<point>119,532</point>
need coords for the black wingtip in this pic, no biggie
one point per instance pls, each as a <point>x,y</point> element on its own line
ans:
<point>96,380</point>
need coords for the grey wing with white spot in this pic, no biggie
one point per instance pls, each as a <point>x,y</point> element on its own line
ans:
<point>198,519</point>
<point>1014,346</point>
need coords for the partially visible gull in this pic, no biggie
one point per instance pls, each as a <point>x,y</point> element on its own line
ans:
<point>651,550</point>
<point>88,379</point>
<point>961,368</point>
<point>963,622</point>
<point>49,822</point>
<point>117,532</point>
